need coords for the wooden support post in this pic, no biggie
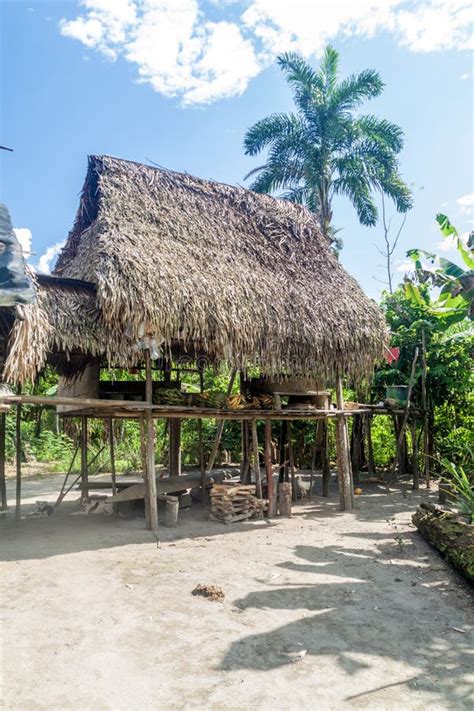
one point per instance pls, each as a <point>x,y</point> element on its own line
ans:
<point>326,480</point>
<point>370,446</point>
<point>284,498</point>
<point>426,419</point>
<point>220,427</point>
<point>152,522</point>
<point>343,453</point>
<point>415,464</point>
<point>18,460</point>
<point>84,469</point>
<point>112,455</point>
<point>3,488</point>
<point>245,466</point>
<point>291,462</point>
<point>174,449</point>
<point>202,463</point>
<point>271,489</point>
<point>258,480</point>
<point>283,469</point>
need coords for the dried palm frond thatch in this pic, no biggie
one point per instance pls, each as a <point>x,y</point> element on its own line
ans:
<point>244,277</point>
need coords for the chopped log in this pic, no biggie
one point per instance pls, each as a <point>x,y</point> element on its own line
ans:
<point>453,538</point>
<point>284,498</point>
<point>171,511</point>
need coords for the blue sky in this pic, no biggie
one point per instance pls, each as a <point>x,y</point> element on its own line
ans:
<point>178,82</point>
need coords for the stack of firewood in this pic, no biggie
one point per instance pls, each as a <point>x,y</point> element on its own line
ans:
<point>235,502</point>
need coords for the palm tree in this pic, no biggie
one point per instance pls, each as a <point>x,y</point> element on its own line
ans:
<point>326,148</point>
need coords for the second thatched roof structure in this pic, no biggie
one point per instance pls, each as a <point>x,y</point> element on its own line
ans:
<point>204,267</point>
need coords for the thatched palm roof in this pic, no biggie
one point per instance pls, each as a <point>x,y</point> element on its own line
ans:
<point>245,277</point>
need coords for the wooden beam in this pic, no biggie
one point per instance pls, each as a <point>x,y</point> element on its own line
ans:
<point>343,453</point>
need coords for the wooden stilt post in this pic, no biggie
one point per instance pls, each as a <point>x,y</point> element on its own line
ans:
<point>283,469</point>
<point>343,454</point>
<point>144,469</point>
<point>291,461</point>
<point>84,470</point>
<point>202,463</point>
<point>18,460</point>
<point>415,464</point>
<point>370,446</point>
<point>426,418</point>
<point>3,488</point>
<point>152,523</point>
<point>220,427</point>
<point>112,455</point>
<point>258,480</point>
<point>174,449</point>
<point>325,459</point>
<point>271,489</point>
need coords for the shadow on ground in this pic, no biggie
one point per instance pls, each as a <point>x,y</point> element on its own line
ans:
<point>376,614</point>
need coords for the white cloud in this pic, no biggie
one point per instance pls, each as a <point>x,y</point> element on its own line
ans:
<point>181,51</point>
<point>24,237</point>
<point>466,203</point>
<point>45,262</point>
<point>404,267</point>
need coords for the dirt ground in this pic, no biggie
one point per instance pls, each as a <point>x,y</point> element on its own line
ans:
<point>324,611</point>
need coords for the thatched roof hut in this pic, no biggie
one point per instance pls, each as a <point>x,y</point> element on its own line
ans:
<point>205,267</point>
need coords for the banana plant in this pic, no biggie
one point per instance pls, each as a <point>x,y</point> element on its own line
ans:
<point>455,301</point>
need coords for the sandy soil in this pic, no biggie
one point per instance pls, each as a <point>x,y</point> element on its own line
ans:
<point>322,611</point>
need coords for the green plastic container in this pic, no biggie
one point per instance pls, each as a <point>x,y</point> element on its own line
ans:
<point>398,393</point>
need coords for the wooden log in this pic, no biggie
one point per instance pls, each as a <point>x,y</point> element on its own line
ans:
<point>258,480</point>
<point>271,489</point>
<point>326,479</point>
<point>283,468</point>
<point>171,511</point>
<point>453,538</point>
<point>284,498</point>
<point>18,462</point>
<point>3,487</point>
<point>346,493</point>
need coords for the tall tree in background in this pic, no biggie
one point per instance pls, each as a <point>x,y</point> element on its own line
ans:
<point>326,148</point>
